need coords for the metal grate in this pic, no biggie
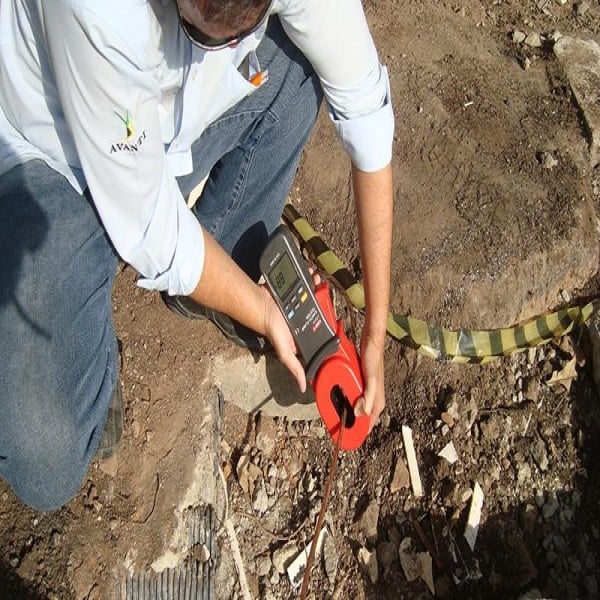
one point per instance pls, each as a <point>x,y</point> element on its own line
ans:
<point>194,579</point>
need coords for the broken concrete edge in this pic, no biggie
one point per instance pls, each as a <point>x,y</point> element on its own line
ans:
<point>580,60</point>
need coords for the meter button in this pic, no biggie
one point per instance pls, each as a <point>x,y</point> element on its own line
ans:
<point>290,314</point>
<point>303,297</point>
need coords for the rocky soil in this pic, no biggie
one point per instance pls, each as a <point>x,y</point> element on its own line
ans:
<point>496,220</point>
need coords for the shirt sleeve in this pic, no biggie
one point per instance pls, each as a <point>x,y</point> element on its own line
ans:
<point>109,96</point>
<point>334,36</point>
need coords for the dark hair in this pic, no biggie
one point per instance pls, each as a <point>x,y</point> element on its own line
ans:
<point>233,12</point>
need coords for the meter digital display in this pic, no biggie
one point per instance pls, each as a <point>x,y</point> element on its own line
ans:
<point>283,276</point>
<point>291,285</point>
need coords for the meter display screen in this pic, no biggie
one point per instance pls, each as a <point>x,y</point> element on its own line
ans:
<point>283,276</point>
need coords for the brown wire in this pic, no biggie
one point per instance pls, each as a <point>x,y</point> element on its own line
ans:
<point>321,517</point>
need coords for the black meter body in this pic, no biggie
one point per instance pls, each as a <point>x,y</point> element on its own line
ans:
<point>292,287</point>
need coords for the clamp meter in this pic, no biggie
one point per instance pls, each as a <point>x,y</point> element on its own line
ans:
<point>329,358</point>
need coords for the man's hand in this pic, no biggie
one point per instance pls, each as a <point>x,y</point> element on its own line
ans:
<point>280,336</point>
<point>373,399</point>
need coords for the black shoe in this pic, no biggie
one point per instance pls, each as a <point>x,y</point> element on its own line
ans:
<point>111,436</point>
<point>232,330</point>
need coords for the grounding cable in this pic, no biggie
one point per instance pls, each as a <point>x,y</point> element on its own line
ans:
<point>459,346</point>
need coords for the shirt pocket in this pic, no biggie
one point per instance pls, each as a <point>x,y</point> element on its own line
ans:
<point>237,84</point>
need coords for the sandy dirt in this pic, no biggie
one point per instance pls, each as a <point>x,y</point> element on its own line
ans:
<point>486,234</point>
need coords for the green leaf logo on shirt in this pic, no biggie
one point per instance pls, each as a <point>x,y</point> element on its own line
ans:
<point>132,141</point>
<point>128,122</point>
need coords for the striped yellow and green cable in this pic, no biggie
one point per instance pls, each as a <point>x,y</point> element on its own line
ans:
<point>462,345</point>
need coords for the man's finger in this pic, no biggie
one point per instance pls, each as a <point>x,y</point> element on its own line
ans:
<point>296,369</point>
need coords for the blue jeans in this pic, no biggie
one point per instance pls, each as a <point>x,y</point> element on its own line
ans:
<point>58,350</point>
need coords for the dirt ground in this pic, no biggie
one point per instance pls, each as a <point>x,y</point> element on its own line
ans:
<point>496,220</point>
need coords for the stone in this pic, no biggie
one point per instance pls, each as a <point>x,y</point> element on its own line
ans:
<point>448,419</point>
<point>261,499</point>
<point>533,40</point>
<point>283,556</point>
<point>109,466</point>
<point>266,435</point>
<point>582,8</point>
<point>263,566</point>
<point>448,452</point>
<point>540,454</point>
<point>550,507</point>
<point>525,62</point>
<point>242,473</point>
<point>531,389</point>
<point>408,559</point>
<point>539,498</point>
<point>368,521</point>
<point>523,474</point>
<point>401,479</point>
<point>518,37</point>
<point>368,561</point>
<point>580,60</point>
<point>547,160</point>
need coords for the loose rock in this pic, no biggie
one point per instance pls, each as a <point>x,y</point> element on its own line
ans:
<point>263,566</point>
<point>533,40</point>
<point>550,507</point>
<point>368,521</point>
<point>540,455</point>
<point>408,559</point>
<point>368,562</point>
<point>518,37</point>
<point>261,499</point>
<point>401,479</point>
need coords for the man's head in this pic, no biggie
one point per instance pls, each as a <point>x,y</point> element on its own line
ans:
<point>215,24</point>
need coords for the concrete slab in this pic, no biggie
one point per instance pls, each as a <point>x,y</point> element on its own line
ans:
<point>261,384</point>
<point>580,60</point>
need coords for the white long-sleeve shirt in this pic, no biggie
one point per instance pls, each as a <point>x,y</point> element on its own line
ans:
<point>112,95</point>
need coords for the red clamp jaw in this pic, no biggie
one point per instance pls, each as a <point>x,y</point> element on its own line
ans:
<point>338,382</point>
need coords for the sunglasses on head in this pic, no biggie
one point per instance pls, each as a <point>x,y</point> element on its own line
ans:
<point>208,42</point>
